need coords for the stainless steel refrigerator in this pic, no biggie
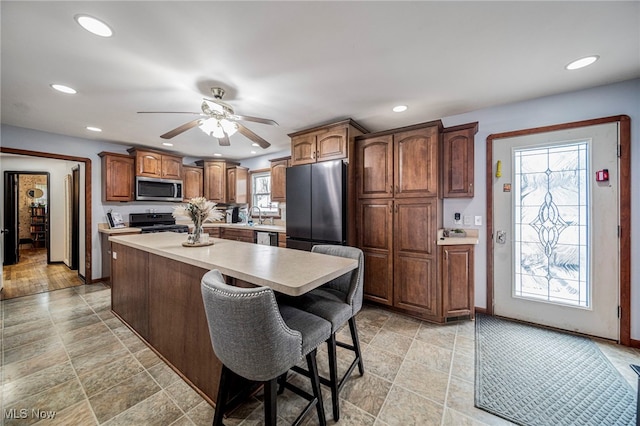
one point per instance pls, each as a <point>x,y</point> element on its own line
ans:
<point>316,204</point>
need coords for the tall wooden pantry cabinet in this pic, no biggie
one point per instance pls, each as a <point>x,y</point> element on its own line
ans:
<point>397,217</point>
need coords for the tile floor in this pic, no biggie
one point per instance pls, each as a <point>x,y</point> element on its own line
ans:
<point>64,352</point>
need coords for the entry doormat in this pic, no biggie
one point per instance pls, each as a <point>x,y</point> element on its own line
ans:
<point>535,376</point>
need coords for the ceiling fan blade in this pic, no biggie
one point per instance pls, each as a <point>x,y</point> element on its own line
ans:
<point>255,119</point>
<point>175,132</point>
<point>250,135</point>
<point>169,112</point>
<point>224,140</point>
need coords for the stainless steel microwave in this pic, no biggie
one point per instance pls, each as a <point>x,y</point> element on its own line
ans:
<point>154,189</point>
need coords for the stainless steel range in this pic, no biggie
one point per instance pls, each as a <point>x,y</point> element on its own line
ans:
<point>156,222</point>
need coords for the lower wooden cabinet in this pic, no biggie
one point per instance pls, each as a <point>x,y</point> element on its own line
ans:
<point>129,287</point>
<point>244,235</point>
<point>398,238</point>
<point>213,232</point>
<point>457,281</point>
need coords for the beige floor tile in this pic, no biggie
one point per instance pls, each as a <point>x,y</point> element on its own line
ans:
<point>407,408</point>
<point>109,375</point>
<point>366,392</point>
<point>430,355</point>
<point>32,365</point>
<point>392,342</point>
<point>113,401</point>
<point>158,409</point>
<point>381,363</point>
<point>402,325</point>
<point>425,381</point>
<point>42,380</point>
<point>444,336</point>
<point>184,396</point>
<point>77,414</point>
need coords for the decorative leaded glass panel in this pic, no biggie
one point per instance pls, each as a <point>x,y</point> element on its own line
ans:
<point>551,224</point>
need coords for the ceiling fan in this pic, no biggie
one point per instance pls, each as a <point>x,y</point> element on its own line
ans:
<point>217,119</point>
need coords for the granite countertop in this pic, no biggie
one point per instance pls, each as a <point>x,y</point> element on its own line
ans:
<point>471,238</point>
<point>292,272</point>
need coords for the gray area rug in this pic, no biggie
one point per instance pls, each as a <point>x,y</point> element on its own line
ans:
<point>535,376</point>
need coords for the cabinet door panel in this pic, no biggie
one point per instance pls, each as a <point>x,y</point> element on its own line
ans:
<point>303,149</point>
<point>231,185</point>
<point>332,144</point>
<point>457,280</point>
<point>374,159</point>
<point>416,163</point>
<point>118,178</point>
<point>193,182</point>
<point>279,180</point>
<point>415,284</point>
<point>458,164</point>
<point>215,176</point>
<point>149,164</point>
<point>129,281</point>
<point>171,167</point>
<point>415,229</point>
<point>375,238</point>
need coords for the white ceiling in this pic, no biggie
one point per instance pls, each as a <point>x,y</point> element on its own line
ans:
<point>299,63</point>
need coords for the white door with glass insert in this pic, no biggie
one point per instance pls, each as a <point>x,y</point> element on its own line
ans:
<point>555,242</point>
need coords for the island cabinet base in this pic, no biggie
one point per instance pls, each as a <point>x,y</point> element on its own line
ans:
<point>160,299</point>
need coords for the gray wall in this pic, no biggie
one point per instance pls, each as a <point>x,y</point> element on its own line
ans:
<point>614,99</point>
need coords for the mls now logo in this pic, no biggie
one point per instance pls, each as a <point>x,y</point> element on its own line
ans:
<point>23,413</point>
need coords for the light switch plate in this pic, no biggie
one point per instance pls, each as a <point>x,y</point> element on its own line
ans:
<point>478,220</point>
<point>467,220</point>
<point>114,255</point>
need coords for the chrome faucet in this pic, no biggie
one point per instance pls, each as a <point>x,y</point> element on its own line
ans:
<point>259,213</point>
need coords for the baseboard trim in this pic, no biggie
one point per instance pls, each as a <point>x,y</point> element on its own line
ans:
<point>480,310</point>
<point>634,343</point>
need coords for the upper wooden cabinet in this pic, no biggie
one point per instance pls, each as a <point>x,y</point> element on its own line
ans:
<point>224,182</point>
<point>237,181</point>
<point>193,182</point>
<point>215,178</point>
<point>324,143</point>
<point>157,164</point>
<point>458,161</point>
<point>398,164</point>
<point>117,177</point>
<point>279,179</point>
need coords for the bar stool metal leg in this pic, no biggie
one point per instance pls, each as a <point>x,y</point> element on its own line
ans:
<point>223,392</point>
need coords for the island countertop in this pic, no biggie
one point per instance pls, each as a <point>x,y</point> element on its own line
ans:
<point>288,271</point>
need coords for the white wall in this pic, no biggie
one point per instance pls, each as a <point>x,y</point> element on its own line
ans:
<point>616,99</point>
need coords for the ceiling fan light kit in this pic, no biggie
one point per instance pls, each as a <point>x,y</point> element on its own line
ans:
<point>219,121</point>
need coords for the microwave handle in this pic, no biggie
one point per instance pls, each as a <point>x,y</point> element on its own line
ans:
<point>178,191</point>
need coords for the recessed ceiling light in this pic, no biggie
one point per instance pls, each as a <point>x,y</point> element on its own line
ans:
<point>64,89</point>
<point>217,155</point>
<point>94,129</point>
<point>167,144</point>
<point>93,25</point>
<point>582,62</point>
<point>254,144</point>
<point>253,152</point>
<point>400,108</point>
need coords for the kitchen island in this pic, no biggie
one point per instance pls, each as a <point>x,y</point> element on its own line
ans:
<point>156,291</point>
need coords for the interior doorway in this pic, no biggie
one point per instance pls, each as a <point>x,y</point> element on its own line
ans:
<point>56,259</point>
<point>26,211</point>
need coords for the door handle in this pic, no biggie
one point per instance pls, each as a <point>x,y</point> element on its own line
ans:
<point>4,231</point>
<point>501,237</point>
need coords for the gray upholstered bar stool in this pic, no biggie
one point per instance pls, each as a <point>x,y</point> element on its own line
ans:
<point>337,301</point>
<point>258,340</point>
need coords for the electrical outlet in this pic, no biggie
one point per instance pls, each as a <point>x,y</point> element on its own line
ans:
<point>478,220</point>
<point>467,220</point>
<point>456,218</point>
